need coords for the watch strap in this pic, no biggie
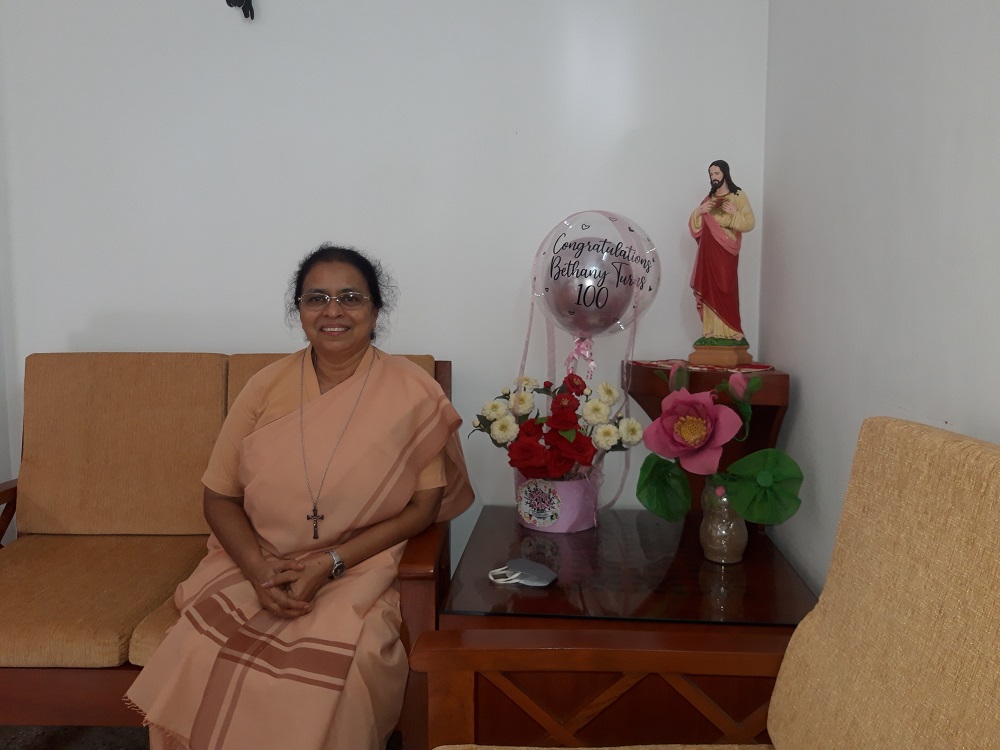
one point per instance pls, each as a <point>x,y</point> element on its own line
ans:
<point>338,565</point>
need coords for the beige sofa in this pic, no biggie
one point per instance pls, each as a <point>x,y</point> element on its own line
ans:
<point>109,521</point>
<point>902,652</point>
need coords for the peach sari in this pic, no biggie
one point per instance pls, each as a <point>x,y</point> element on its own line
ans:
<point>230,675</point>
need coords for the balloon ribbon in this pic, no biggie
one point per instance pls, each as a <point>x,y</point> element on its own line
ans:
<point>584,349</point>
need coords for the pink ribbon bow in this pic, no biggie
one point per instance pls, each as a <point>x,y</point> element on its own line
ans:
<point>584,350</point>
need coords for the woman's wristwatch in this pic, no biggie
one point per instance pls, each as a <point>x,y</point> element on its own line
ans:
<point>338,568</point>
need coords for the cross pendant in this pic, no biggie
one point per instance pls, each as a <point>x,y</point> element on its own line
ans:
<point>315,518</point>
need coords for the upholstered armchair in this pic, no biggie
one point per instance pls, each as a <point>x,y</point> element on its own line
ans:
<point>902,652</point>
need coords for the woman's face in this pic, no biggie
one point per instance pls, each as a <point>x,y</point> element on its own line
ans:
<point>333,331</point>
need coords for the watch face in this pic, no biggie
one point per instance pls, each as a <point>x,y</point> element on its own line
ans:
<point>338,566</point>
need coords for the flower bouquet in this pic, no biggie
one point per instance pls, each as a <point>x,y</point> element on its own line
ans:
<point>689,436</point>
<point>565,443</point>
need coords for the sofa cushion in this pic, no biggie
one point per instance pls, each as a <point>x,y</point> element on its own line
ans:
<point>74,600</point>
<point>901,650</point>
<point>148,633</point>
<point>116,443</point>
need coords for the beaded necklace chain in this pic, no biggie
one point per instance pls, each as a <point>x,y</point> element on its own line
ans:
<point>316,517</point>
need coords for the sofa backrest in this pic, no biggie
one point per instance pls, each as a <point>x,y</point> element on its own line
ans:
<point>116,443</point>
<point>242,367</point>
<point>901,650</point>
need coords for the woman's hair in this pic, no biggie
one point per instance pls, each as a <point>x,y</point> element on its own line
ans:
<point>724,166</point>
<point>380,284</point>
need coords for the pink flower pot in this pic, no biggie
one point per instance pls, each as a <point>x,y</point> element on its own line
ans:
<point>557,505</point>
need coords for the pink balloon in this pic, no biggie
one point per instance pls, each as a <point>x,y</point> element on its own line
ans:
<point>595,273</point>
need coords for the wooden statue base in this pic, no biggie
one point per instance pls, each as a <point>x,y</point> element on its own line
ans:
<point>721,356</point>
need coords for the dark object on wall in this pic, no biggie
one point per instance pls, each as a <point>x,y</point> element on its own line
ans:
<point>246,5</point>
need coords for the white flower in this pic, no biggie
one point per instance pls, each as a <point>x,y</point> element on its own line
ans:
<point>596,412</point>
<point>607,393</point>
<point>630,430</point>
<point>526,383</point>
<point>522,403</point>
<point>504,429</point>
<point>605,436</point>
<point>493,410</point>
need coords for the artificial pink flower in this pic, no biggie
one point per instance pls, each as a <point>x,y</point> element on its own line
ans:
<point>738,384</point>
<point>692,428</point>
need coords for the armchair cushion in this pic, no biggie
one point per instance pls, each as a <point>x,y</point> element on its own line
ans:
<point>90,468</point>
<point>901,650</point>
<point>52,625</point>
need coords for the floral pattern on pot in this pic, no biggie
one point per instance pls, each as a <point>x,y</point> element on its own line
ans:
<point>538,503</point>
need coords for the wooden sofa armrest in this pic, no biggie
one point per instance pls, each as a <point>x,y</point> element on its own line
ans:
<point>424,575</point>
<point>8,499</point>
<point>454,660</point>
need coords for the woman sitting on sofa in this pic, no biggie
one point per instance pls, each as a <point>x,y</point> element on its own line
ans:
<point>329,460</point>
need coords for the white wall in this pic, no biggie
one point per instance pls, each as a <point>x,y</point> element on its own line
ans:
<point>6,313</point>
<point>168,163</point>
<point>880,268</point>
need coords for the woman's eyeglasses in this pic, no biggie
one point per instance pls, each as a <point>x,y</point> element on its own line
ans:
<point>319,301</point>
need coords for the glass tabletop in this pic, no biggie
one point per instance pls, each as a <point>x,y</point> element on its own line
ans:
<point>633,566</point>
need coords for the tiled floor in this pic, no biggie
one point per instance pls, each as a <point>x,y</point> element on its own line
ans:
<point>74,738</point>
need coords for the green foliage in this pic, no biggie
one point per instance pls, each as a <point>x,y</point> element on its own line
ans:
<point>712,341</point>
<point>663,488</point>
<point>764,486</point>
<point>679,379</point>
<point>742,403</point>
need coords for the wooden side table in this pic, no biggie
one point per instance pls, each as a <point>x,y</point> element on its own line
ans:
<point>636,577</point>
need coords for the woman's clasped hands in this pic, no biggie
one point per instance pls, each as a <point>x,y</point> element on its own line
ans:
<point>286,588</point>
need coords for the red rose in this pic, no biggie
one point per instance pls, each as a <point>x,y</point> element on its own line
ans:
<point>565,401</point>
<point>531,430</point>
<point>557,463</point>
<point>581,449</point>
<point>562,419</point>
<point>575,384</point>
<point>528,457</point>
